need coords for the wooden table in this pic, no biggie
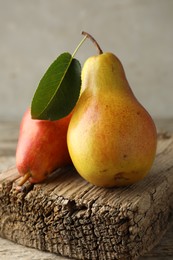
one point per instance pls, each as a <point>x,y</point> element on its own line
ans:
<point>9,250</point>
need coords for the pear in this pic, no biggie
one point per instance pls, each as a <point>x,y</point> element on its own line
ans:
<point>41,148</point>
<point>111,138</point>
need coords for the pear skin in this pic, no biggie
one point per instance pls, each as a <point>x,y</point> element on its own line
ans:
<point>41,148</point>
<point>111,138</point>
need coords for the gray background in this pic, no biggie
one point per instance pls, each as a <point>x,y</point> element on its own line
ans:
<point>34,32</point>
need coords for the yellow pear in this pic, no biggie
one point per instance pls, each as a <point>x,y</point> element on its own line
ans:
<point>111,138</point>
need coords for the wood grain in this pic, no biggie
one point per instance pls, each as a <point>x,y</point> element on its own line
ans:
<point>68,216</point>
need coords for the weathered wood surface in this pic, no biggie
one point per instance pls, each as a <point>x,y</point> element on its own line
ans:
<point>100,212</point>
<point>162,251</point>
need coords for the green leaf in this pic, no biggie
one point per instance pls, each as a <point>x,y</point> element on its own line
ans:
<point>58,90</point>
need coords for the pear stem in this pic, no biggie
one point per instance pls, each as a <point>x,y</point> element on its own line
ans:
<point>26,176</point>
<point>93,40</point>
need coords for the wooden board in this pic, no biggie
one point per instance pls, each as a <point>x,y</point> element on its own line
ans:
<point>68,216</point>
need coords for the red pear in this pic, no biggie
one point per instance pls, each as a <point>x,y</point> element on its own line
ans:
<point>42,147</point>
